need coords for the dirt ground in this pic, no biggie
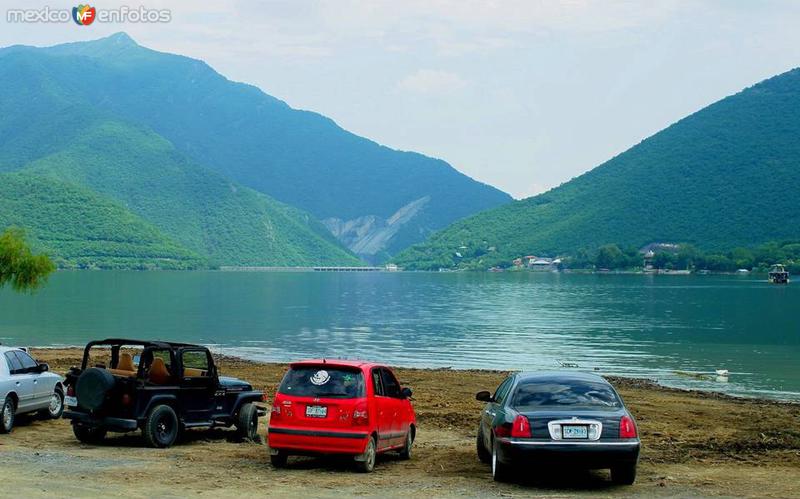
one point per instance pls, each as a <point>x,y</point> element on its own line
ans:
<point>694,444</point>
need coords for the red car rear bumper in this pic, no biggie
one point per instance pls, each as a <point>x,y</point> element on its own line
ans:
<point>317,441</point>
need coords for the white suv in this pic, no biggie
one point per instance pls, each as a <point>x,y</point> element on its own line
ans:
<point>27,386</point>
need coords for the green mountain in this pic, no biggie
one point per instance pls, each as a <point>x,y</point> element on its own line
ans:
<point>58,132</point>
<point>230,224</point>
<point>81,228</point>
<point>374,199</point>
<point>723,177</point>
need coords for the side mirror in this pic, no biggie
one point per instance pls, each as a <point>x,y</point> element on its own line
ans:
<point>406,392</point>
<point>484,396</point>
<point>41,368</point>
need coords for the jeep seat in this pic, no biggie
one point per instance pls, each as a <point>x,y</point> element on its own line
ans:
<point>124,367</point>
<point>158,374</point>
<point>125,362</point>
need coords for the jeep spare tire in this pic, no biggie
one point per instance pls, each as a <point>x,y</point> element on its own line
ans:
<point>93,387</point>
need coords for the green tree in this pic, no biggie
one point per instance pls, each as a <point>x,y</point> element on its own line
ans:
<point>687,256</point>
<point>610,257</point>
<point>742,257</point>
<point>19,265</point>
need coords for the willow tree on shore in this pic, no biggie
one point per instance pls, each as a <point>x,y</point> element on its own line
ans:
<point>18,265</point>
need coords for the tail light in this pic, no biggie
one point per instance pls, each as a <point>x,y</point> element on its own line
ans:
<point>71,390</point>
<point>627,428</point>
<point>126,399</point>
<point>504,430</point>
<point>361,414</point>
<point>276,412</point>
<point>521,428</point>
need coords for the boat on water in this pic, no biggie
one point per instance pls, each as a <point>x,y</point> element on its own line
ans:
<point>778,275</point>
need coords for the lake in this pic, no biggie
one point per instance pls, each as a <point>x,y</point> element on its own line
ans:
<point>632,325</point>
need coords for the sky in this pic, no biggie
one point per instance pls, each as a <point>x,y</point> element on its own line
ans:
<point>522,95</point>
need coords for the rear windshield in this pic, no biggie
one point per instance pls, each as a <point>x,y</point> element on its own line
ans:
<point>533,394</point>
<point>323,381</point>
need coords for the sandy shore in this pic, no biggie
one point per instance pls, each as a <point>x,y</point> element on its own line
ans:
<point>695,444</point>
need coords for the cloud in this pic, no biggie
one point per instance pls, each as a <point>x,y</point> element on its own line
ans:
<point>431,82</point>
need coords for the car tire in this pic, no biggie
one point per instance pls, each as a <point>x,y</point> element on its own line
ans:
<point>367,460</point>
<point>247,422</point>
<point>500,472</point>
<point>56,407</point>
<point>484,455</point>
<point>161,427</point>
<point>405,452</point>
<point>89,434</point>
<point>8,414</point>
<point>623,475</point>
<point>279,459</point>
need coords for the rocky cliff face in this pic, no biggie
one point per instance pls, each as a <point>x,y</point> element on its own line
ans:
<point>369,235</point>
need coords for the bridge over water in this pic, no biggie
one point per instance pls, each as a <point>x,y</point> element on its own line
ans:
<point>306,269</point>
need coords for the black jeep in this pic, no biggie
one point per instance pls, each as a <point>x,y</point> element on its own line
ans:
<point>159,387</point>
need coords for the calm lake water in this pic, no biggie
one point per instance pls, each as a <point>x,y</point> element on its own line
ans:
<point>631,325</point>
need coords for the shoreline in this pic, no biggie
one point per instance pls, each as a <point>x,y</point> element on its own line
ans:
<point>788,397</point>
<point>383,270</point>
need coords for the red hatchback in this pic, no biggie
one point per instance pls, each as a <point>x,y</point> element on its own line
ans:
<point>341,407</point>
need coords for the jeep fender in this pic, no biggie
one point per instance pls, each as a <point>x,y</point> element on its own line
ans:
<point>170,400</point>
<point>246,397</point>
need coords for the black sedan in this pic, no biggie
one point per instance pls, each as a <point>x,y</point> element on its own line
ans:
<point>557,419</point>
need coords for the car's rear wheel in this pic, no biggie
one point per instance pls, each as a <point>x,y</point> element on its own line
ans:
<point>161,427</point>
<point>366,461</point>
<point>623,475</point>
<point>7,415</point>
<point>89,434</point>
<point>247,422</point>
<point>484,455</point>
<point>500,472</point>
<point>405,452</point>
<point>56,406</point>
<point>279,459</point>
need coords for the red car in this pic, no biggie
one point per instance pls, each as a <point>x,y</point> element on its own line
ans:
<point>341,407</point>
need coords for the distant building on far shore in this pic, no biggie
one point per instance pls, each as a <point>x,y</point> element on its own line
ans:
<point>647,264</point>
<point>544,264</point>
<point>660,248</point>
<point>537,263</point>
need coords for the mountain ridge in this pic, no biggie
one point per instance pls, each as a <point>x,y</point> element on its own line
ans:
<point>716,179</point>
<point>55,131</point>
<point>298,157</point>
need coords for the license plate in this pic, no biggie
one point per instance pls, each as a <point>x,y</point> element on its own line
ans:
<point>574,431</point>
<point>316,411</point>
<point>70,401</point>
